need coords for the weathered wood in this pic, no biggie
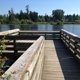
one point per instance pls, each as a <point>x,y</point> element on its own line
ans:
<point>46,34</point>
<point>29,57</point>
<point>20,42</point>
<point>25,41</point>
<point>39,32</point>
<point>20,37</point>
<point>77,39</point>
<point>78,52</point>
<point>69,34</point>
<point>78,46</point>
<point>9,32</point>
<point>66,63</point>
<point>52,69</point>
<point>71,42</point>
<point>29,65</point>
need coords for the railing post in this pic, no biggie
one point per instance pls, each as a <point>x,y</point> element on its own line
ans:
<point>75,46</point>
<point>19,33</point>
<point>45,35</point>
<point>60,34</point>
<point>15,50</point>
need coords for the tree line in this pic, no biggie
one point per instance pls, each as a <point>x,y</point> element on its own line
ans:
<point>30,17</point>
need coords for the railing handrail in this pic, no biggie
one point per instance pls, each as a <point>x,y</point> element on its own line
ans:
<point>21,65</point>
<point>69,33</point>
<point>72,41</point>
<point>9,32</point>
<point>39,32</point>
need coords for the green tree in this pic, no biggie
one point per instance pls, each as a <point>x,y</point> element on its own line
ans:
<point>69,18</point>
<point>11,15</point>
<point>27,11</point>
<point>47,18</point>
<point>33,16</point>
<point>17,16</point>
<point>21,16</point>
<point>58,15</point>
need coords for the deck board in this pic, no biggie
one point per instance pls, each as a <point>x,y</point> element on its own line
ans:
<point>59,63</point>
<point>52,69</point>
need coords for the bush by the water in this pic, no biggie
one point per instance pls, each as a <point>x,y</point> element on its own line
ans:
<point>59,22</point>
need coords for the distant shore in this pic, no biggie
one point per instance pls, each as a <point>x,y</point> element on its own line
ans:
<point>54,23</point>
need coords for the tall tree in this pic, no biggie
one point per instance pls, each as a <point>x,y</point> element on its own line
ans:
<point>11,14</point>
<point>21,16</point>
<point>69,18</point>
<point>33,16</point>
<point>58,14</point>
<point>47,18</point>
<point>27,11</point>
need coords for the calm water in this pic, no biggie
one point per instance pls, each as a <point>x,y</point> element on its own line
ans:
<point>74,28</point>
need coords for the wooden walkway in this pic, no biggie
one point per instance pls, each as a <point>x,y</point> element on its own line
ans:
<point>59,64</point>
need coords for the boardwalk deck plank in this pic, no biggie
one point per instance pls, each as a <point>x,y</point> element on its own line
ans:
<point>59,64</point>
<point>52,69</point>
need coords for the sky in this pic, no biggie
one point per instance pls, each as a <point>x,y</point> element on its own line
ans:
<point>40,6</point>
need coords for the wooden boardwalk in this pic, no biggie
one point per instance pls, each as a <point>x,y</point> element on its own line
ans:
<point>59,64</point>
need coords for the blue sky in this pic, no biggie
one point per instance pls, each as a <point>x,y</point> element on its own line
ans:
<point>41,6</point>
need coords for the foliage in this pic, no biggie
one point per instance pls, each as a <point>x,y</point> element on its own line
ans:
<point>59,22</point>
<point>29,22</point>
<point>3,47</point>
<point>15,21</point>
<point>31,17</point>
<point>58,14</point>
<point>23,21</point>
<point>77,21</point>
<point>26,21</point>
<point>41,19</point>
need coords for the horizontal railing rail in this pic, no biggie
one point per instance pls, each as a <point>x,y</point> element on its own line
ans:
<point>72,41</point>
<point>29,65</point>
<point>38,32</point>
<point>16,44</point>
<point>46,34</point>
<point>20,37</point>
<point>10,32</point>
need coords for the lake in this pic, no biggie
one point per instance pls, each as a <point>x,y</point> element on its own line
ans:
<point>74,28</point>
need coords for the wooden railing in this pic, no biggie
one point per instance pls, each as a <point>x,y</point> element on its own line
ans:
<point>72,41</point>
<point>46,34</point>
<point>16,45</point>
<point>28,33</point>
<point>10,32</point>
<point>29,65</point>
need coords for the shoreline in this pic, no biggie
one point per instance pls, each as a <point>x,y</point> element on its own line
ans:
<point>52,23</point>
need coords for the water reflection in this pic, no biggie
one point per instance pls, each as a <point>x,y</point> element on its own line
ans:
<point>74,28</point>
<point>34,27</point>
<point>57,27</point>
<point>11,26</point>
<point>23,27</point>
<point>4,27</point>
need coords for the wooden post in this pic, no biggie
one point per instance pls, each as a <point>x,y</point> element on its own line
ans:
<point>60,34</point>
<point>15,50</point>
<point>45,35</point>
<point>19,33</point>
<point>75,46</point>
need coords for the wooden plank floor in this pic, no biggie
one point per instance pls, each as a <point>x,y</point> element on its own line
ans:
<point>59,64</point>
